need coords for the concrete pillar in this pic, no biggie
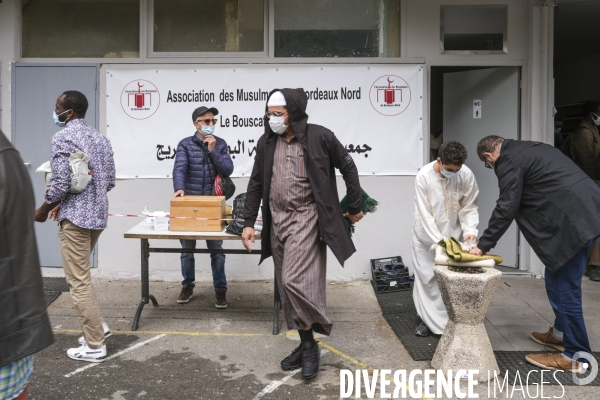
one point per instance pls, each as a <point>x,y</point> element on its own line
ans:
<point>10,42</point>
<point>540,98</point>
<point>465,343</point>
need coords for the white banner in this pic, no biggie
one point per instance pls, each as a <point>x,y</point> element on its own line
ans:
<point>375,112</point>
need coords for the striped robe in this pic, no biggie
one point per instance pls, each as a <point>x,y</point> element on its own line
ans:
<point>299,254</point>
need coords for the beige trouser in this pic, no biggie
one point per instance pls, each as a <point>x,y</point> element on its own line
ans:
<point>76,246</point>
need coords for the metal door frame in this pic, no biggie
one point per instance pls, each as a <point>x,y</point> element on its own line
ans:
<point>13,111</point>
<point>519,103</point>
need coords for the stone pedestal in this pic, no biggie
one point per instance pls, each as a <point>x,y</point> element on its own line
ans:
<point>465,343</point>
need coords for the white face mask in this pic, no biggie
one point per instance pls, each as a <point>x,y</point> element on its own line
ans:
<point>596,119</point>
<point>277,125</point>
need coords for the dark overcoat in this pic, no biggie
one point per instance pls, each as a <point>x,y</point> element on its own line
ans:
<point>556,205</point>
<point>24,324</point>
<point>323,153</point>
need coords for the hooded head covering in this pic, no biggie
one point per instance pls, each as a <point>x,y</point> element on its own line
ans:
<point>295,101</point>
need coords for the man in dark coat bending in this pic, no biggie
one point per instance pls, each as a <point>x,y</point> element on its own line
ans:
<point>557,208</point>
<point>294,175</point>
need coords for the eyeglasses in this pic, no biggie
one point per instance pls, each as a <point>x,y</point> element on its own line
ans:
<point>275,114</point>
<point>207,121</point>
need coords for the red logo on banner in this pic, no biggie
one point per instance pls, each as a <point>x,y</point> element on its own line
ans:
<point>390,95</point>
<point>140,99</point>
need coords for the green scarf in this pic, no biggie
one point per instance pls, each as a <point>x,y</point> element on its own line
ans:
<point>368,205</point>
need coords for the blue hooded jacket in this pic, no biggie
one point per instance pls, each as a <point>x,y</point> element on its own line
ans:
<point>193,172</point>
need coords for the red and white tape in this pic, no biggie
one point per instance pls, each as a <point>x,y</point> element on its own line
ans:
<point>165,216</point>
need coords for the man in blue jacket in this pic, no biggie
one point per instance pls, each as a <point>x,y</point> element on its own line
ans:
<point>198,160</point>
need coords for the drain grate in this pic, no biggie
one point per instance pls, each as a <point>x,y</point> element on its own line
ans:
<point>55,285</point>
<point>51,296</point>
<point>399,311</point>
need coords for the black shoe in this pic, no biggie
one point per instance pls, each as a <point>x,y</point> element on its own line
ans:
<point>187,292</point>
<point>220,294</point>
<point>293,361</point>
<point>593,273</point>
<point>422,330</point>
<point>310,359</point>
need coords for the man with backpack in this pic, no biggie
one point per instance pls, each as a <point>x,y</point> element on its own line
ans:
<point>81,214</point>
<point>198,160</point>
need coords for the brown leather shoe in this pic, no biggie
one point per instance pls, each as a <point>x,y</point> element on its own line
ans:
<point>555,361</point>
<point>221,298</point>
<point>548,339</point>
<point>187,292</point>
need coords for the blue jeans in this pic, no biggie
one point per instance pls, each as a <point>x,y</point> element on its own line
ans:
<point>564,293</point>
<point>217,263</point>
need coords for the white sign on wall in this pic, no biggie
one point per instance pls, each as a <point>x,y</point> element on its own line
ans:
<point>375,112</point>
<point>476,109</point>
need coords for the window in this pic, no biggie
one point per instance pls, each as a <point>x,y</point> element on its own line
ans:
<point>192,26</point>
<point>334,28</point>
<point>474,29</point>
<point>72,28</point>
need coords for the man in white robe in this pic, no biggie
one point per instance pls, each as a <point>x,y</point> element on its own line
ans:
<point>445,206</point>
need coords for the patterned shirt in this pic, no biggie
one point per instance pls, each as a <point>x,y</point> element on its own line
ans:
<point>15,376</point>
<point>88,209</point>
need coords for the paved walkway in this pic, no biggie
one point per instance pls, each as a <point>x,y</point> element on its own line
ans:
<point>195,351</point>
<point>520,306</point>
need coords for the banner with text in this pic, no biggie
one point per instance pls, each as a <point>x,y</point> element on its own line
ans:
<point>375,112</point>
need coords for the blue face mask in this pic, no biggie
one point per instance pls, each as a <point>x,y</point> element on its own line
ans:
<point>58,123</point>
<point>450,175</point>
<point>557,130</point>
<point>207,130</point>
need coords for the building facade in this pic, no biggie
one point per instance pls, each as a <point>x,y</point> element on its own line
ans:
<point>498,52</point>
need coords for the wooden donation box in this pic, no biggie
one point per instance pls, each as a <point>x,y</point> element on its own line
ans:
<point>193,207</point>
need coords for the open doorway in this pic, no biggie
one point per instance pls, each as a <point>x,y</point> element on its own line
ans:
<point>468,104</point>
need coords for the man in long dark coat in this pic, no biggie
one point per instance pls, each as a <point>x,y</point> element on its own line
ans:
<point>294,176</point>
<point>557,208</point>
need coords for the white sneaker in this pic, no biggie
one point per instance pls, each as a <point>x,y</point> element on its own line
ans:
<point>84,353</point>
<point>107,333</point>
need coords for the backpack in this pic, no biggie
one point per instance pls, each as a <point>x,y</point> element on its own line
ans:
<point>236,227</point>
<point>81,175</point>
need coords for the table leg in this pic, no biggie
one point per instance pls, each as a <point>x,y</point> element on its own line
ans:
<point>146,296</point>
<point>276,307</point>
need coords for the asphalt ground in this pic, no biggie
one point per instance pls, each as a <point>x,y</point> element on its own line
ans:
<point>195,351</point>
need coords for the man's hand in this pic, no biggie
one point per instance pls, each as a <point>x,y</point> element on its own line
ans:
<point>477,251</point>
<point>354,218</point>
<point>54,213</point>
<point>41,215</point>
<point>470,239</point>
<point>248,236</point>
<point>179,193</point>
<point>210,142</point>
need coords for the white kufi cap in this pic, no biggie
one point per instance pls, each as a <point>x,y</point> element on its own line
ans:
<point>276,99</point>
